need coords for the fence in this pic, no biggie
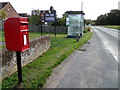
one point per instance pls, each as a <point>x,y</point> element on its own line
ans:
<point>45,29</point>
<point>48,29</point>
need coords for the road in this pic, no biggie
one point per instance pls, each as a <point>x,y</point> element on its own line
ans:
<point>110,39</point>
<point>96,67</point>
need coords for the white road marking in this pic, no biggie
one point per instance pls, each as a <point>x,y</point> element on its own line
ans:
<point>110,48</point>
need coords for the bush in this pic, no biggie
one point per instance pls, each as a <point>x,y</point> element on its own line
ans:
<point>87,29</point>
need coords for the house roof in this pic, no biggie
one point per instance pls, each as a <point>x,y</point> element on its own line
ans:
<point>3,4</point>
<point>75,12</point>
<point>8,8</point>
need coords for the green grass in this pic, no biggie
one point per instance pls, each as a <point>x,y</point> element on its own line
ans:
<point>1,47</point>
<point>32,35</point>
<point>36,73</point>
<point>2,36</point>
<point>112,26</point>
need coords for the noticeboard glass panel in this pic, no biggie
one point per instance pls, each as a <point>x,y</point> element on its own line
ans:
<point>76,24</point>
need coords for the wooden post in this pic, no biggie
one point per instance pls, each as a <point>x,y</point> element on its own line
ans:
<point>77,37</point>
<point>19,67</point>
<point>41,29</point>
<point>55,29</point>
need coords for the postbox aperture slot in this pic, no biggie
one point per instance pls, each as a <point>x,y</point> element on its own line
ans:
<point>23,23</point>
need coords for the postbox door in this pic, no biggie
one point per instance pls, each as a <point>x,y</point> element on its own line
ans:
<point>24,35</point>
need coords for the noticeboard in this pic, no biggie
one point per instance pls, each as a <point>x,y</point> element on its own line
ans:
<point>50,17</point>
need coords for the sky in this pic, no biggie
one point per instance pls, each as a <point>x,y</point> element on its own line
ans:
<point>91,8</point>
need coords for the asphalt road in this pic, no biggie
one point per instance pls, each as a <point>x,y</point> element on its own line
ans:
<point>110,39</point>
<point>97,67</point>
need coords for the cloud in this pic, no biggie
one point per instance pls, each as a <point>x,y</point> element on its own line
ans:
<point>91,8</point>
<point>119,5</point>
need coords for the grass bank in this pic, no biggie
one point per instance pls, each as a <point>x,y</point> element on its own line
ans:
<point>1,35</point>
<point>36,73</point>
<point>112,26</point>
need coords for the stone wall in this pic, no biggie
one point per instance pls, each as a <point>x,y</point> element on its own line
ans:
<point>8,58</point>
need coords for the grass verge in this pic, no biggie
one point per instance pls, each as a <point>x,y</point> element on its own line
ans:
<point>32,35</point>
<point>2,35</point>
<point>112,26</point>
<point>1,47</point>
<point>36,73</point>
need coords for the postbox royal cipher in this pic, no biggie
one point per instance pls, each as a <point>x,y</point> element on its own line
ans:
<point>16,34</point>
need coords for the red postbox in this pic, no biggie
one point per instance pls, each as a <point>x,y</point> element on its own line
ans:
<point>16,34</point>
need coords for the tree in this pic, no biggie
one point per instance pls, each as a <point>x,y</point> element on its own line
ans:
<point>3,15</point>
<point>111,18</point>
<point>88,21</point>
<point>35,17</point>
<point>61,21</point>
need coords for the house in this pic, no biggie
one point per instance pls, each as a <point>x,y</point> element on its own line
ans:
<point>8,8</point>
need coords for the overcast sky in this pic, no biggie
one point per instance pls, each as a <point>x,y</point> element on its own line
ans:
<point>91,8</point>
